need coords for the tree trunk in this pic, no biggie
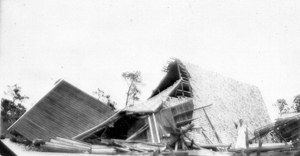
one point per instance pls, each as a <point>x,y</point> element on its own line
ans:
<point>128,93</point>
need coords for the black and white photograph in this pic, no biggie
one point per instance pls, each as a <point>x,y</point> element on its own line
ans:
<point>150,77</point>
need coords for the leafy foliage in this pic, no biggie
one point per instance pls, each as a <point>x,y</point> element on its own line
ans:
<point>133,79</point>
<point>297,103</point>
<point>11,110</point>
<point>105,98</point>
<point>282,106</point>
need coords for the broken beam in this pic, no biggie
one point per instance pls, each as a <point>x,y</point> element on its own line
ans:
<point>192,110</point>
<point>141,130</point>
<point>186,121</point>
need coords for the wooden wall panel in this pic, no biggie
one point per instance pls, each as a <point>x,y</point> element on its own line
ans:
<point>65,111</point>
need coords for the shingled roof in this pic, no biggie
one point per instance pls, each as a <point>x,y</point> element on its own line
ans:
<point>65,111</point>
<point>232,100</point>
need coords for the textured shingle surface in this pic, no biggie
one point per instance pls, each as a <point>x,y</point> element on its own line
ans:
<point>232,100</point>
<point>65,111</point>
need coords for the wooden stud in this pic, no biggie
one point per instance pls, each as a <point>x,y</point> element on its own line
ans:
<point>176,146</point>
<point>189,120</point>
<point>217,136</point>
<point>247,142</point>
<point>141,130</point>
<point>259,147</point>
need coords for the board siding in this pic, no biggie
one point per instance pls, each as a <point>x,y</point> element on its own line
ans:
<point>65,111</point>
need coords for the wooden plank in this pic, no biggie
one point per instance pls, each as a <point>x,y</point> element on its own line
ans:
<point>103,151</point>
<point>100,147</point>
<point>141,130</point>
<point>137,141</point>
<point>206,137</point>
<point>186,121</point>
<point>175,153</point>
<point>180,90</point>
<point>122,149</point>
<point>176,146</point>
<point>201,107</point>
<point>212,126</point>
<point>151,128</point>
<point>68,144</point>
<point>100,126</point>
<point>208,145</point>
<point>259,147</point>
<point>73,141</point>
<point>263,149</point>
<point>53,147</point>
<point>156,128</point>
<point>181,103</point>
<point>247,142</point>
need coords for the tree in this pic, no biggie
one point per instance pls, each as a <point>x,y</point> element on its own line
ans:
<point>133,79</point>
<point>105,98</point>
<point>297,103</point>
<point>11,110</point>
<point>282,106</point>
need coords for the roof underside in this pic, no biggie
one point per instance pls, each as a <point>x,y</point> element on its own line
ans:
<point>65,112</point>
<point>174,84</point>
<point>152,104</point>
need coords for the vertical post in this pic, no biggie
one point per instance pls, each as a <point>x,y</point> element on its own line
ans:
<point>247,143</point>
<point>259,147</point>
<point>176,145</point>
<point>150,128</point>
<point>156,128</point>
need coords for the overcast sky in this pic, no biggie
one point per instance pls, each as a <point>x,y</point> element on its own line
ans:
<point>90,43</point>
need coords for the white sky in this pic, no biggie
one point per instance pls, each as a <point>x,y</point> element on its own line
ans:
<point>90,43</point>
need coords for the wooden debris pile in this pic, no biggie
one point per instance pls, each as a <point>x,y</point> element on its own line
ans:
<point>112,146</point>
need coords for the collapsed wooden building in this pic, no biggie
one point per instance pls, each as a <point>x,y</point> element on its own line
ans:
<point>191,108</point>
<point>187,95</point>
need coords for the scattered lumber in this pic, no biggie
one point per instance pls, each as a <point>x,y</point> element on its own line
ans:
<point>142,142</point>
<point>122,149</point>
<point>98,146</point>
<point>263,148</point>
<point>74,142</point>
<point>270,144</point>
<point>209,146</point>
<point>176,153</point>
<point>54,147</point>
<point>68,144</point>
<point>103,151</point>
<point>210,153</point>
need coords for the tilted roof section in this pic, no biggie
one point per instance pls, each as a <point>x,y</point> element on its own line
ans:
<point>153,103</point>
<point>65,111</point>
<point>232,100</point>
